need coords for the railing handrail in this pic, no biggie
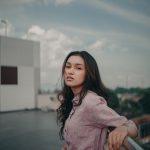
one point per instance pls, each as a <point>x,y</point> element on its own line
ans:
<point>130,144</point>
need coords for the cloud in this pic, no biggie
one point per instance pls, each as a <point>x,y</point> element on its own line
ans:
<point>106,45</point>
<point>16,2</point>
<point>63,2</point>
<point>130,15</point>
<point>8,3</point>
<point>114,36</point>
<point>98,45</point>
<point>55,45</point>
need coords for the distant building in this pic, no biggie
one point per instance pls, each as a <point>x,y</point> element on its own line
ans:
<point>129,96</point>
<point>19,73</point>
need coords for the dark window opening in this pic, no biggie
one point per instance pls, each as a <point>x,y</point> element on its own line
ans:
<point>9,75</point>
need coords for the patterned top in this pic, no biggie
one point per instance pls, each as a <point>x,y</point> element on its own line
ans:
<point>87,125</point>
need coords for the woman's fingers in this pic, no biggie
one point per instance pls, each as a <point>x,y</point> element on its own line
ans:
<point>110,144</point>
<point>111,139</point>
<point>119,140</point>
<point>117,145</point>
<point>115,139</point>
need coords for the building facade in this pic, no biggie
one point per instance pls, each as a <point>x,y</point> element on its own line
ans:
<point>19,73</point>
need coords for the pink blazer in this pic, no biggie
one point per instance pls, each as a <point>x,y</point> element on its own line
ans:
<point>87,125</point>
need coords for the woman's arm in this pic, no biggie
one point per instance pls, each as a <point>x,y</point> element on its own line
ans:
<point>132,131</point>
<point>104,116</point>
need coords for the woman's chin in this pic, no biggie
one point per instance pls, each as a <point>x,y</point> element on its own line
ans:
<point>69,84</point>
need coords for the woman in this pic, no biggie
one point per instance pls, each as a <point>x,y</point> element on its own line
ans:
<point>83,113</point>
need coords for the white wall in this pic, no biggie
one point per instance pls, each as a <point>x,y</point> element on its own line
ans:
<point>16,52</point>
<point>26,56</point>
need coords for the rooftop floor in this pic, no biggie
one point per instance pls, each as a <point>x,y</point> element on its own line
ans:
<point>29,130</point>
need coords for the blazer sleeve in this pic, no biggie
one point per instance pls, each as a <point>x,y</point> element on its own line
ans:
<point>102,115</point>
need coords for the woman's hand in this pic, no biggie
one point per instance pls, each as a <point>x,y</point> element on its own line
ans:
<point>116,137</point>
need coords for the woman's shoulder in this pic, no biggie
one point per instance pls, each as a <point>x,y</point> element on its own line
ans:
<point>93,98</point>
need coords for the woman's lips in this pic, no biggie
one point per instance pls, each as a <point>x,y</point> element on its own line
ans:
<point>69,78</point>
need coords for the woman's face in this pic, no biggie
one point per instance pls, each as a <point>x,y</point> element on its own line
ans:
<point>74,72</point>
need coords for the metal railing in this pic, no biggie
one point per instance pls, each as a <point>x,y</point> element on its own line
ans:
<point>130,144</point>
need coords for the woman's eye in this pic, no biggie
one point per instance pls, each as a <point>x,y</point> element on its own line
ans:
<point>67,66</point>
<point>79,68</point>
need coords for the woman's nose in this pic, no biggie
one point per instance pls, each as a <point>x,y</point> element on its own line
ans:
<point>71,71</point>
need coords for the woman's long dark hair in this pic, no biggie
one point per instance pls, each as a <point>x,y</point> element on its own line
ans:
<point>92,82</point>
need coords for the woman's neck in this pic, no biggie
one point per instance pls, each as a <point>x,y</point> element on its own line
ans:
<point>76,91</point>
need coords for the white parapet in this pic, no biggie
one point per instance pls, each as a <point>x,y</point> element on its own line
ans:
<point>47,102</point>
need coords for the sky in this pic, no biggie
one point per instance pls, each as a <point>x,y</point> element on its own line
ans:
<point>115,32</point>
